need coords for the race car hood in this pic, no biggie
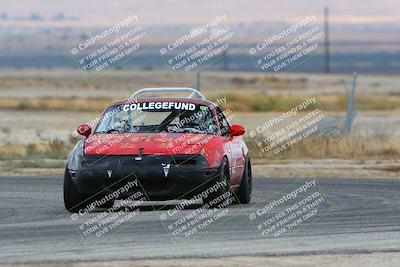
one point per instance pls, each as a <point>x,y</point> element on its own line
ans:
<point>146,144</point>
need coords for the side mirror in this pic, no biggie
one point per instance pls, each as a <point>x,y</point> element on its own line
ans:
<point>236,130</point>
<point>84,130</point>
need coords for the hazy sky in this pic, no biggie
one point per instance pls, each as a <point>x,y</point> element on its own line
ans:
<point>102,12</point>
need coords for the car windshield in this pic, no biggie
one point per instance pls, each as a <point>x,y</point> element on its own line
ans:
<point>158,116</point>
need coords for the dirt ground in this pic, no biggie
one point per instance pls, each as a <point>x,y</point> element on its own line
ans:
<point>121,84</point>
<point>325,168</point>
<point>342,260</point>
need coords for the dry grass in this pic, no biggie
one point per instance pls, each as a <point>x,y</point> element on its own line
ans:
<point>54,149</point>
<point>13,165</point>
<point>363,102</point>
<point>265,103</point>
<point>341,147</point>
<point>236,101</point>
<point>272,82</point>
<point>349,147</point>
<point>311,148</point>
<point>50,103</point>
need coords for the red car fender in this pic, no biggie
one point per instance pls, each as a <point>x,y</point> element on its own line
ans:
<point>214,151</point>
<point>220,147</point>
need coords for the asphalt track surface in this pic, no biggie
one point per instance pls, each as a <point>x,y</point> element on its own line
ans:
<point>362,216</point>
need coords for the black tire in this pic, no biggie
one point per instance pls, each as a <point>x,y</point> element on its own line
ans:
<point>74,201</point>
<point>245,188</point>
<point>222,175</point>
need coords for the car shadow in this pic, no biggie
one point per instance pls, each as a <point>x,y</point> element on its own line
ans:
<point>151,207</point>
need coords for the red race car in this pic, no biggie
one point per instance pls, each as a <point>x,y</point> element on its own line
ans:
<point>161,149</point>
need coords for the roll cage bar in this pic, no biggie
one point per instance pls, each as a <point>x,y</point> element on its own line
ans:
<point>193,93</point>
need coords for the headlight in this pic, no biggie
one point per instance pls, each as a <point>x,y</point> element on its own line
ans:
<point>76,156</point>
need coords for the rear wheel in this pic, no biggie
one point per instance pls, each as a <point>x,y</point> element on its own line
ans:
<point>245,188</point>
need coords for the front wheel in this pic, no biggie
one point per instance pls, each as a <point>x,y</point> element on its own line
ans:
<point>75,201</point>
<point>245,188</point>
<point>222,181</point>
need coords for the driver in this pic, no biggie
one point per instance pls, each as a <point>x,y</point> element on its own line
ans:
<point>200,121</point>
<point>188,120</point>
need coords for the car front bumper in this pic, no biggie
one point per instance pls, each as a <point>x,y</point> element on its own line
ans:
<point>186,176</point>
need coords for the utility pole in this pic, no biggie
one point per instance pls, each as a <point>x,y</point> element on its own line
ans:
<point>351,109</point>
<point>198,81</point>
<point>326,19</point>
<point>225,61</point>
